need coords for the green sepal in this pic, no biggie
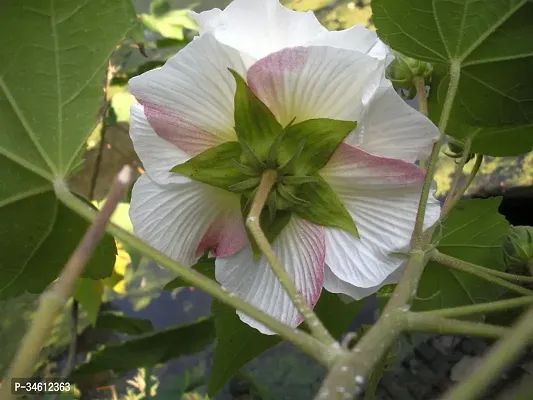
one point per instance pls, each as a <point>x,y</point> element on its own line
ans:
<point>324,207</point>
<point>215,166</point>
<point>271,226</point>
<point>254,122</point>
<point>322,137</point>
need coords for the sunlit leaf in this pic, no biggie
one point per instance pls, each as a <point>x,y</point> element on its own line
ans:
<point>51,92</point>
<point>88,293</point>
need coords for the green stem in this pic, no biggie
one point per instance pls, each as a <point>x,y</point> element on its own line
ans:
<point>376,376</point>
<point>500,356</point>
<point>316,327</point>
<point>482,308</point>
<point>420,85</point>
<point>454,194</point>
<point>148,382</point>
<point>325,355</point>
<point>478,271</point>
<point>419,322</point>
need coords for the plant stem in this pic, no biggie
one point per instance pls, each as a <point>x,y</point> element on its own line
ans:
<point>54,299</point>
<point>420,85</point>
<point>478,271</point>
<point>500,356</point>
<point>376,376</point>
<point>420,322</point>
<point>325,355</point>
<point>482,308</point>
<point>71,358</point>
<point>454,194</point>
<point>317,329</point>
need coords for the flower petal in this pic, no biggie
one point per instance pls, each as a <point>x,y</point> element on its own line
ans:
<point>259,27</point>
<point>391,128</point>
<point>333,284</point>
<point>189,101</point>
<point>382,196</point>
<point>300,249</point>
<point>316,82</point>
<point>157,155</point>
<point>176,219</point>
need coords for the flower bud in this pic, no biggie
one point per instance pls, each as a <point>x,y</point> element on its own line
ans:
<point>402,71</point>
<point>456,149</point>
<point>518,246</point>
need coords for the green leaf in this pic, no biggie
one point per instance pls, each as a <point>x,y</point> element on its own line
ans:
<point>150,349</point>
<point>214,166</point>
<point>59,51</point>
<point>206,268</point>
<point>116,321</point>
<point>254,122</point>
<point>473,232</point>
<point>489,45</point>
<point>238,343</point>
<point>169,24</point>
<point>321,137</point>
<point>325,208</point>
<point>89,293</point>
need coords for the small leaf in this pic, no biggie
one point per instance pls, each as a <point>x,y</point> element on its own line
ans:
<point>214,166</point>
<point>321,137</point>
<point>150,349</point>
<point>116,321</point>
<point>238,343</point>
<point>324,207</point>
<point>474,231</point>
<point>89,293</point>
<point>254,122</point>
<point>488,43</point>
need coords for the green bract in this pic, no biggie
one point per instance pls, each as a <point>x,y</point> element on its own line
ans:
<point>403,70</point>
<point>518,246</point>
<point>297,152</point>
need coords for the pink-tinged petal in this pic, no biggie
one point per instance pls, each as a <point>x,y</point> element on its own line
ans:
<point>174,129</point>
<point>316,82</point>
<point>259,27</point>
<point>382,196</point>
<point>300,248</point>
<point>226,235</point>
<point>189,100</point>
<point>352,166</point>
<point>157,155</point>
<point>174,218</point>
<point>333,284</point>
<point>392,128</point>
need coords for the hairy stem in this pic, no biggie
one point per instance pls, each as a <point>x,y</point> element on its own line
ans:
<point>482,308</point>
<point>419,322</point>
<point>420,85</point>
<point>376,376</point>
<point>500,356</point>
<point>54,299</point>
<point>323,354</point>
<point>478,271</point>
<point>316,327</point>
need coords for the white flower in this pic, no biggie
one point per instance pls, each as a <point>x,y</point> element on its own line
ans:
<point>299,70</point>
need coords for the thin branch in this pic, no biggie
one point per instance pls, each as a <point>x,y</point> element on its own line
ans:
<point>483,308</point>
<point>500,356</point>
<point>325,355</point>
<point>253,223</point>
<point>71,358</point>
<point>420,85</point>
<point>454,194</point>
<point>419,322</point>
<point>478,271</point>
<point>53,300</point>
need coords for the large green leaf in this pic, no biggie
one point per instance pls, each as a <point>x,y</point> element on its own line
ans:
<point>487,45</point>
<point>238,343</point>
<point>54,56</point>
<point>473,232</point>
<point>88,293</point>
<point>151,349</point>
